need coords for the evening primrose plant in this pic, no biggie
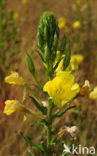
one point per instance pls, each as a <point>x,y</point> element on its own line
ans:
<point>59,90</point>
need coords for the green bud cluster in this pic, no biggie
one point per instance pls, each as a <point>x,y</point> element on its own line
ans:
<point>48,35</point>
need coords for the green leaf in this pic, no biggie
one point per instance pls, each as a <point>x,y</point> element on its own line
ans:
<point>63,45</point>
<point>56,65</point>
<point>43,122</point>
<point>44,147</point>
<point>46,53</point>
<point>29,141</point>
<point>41,56</point>
<point>59,114</point>
<point>67,59</point>
<point>39,105</point>
<point>53,141</point>
<point>55,42</point>
<point>30,65</point>
<point>30,154</point>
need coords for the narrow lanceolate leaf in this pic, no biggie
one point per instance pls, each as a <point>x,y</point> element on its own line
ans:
<point>59,114</point>
<point>63,45</point>
<point>41,56</point>
<point>29,141</point>
<point>56,65</point>
<point>30,64</point>
<point>41,122</point>
<point>55,41</point>
<point>67,59</point>
<point>39,105</point>
<point>54,46</point>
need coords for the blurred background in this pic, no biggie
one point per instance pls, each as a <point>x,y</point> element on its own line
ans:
<point>19,21</point>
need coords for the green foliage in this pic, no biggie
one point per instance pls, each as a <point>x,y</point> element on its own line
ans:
<point>39,105</point>
<point>30,154</point>
<point>42,122</point>
<point>56,65</point>
<point>48,35</point>
<point>59,113</point>
<point>30,65</point>
<point>63,45</point>
<point>29,141</point>
<point>67,59</point>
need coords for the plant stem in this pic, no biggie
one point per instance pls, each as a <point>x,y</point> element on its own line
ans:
<point>49,127</point>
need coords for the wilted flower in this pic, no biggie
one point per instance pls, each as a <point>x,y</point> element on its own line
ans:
<point>45,103</point>
<point>15,79</point>
<point>93,94</point>
<point>76,25</point>
<point>61,22</point>
<point>12,106</point>
<point>73,131</point>
<point>86,84</point>
<point>85,89</point>
<point>62,88</point>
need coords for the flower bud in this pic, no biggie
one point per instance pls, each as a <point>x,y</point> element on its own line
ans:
<point>48,34</point>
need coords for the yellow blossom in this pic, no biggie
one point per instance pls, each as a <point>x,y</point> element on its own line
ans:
<point>85,6</point>
<point>61,22</point>
<point>24,1</point>
<point>13,105</point>
<point>15,15</point>
<point>62,88</point>
<point>78,2</point>
<point>74,62</point>
<point>74,7</point>
<point>93,94</point>
<point>15,79</point>
<point>76,25</point>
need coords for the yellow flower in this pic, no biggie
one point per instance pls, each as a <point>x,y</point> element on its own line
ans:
<point>61,22</point>
<point>62,88</point>
<point>15,15</point>
<point>74,62</point>
<point>15,79</point>
<point>93,94</point>
<point>85,6</point>
<point>13,105</point>
<point>24,1</point>
<point>78,2</point>
<point>76,25</point>
<point>74,7</point>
